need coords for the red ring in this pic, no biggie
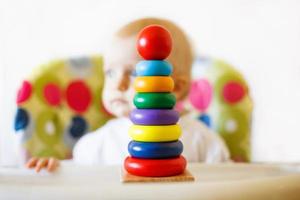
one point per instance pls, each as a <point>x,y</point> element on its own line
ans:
<point>155,167</point>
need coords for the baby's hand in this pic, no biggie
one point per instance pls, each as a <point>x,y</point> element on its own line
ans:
<point>51,164</point>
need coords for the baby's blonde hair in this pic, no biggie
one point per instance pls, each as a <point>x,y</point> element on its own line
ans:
<point>181,55</point>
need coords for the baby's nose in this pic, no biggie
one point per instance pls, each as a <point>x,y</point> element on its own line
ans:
<point>124,83</point>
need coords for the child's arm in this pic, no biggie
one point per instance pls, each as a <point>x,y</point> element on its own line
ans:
<point>51,164</point>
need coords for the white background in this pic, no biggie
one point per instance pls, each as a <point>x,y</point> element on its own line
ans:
<point>260,37</point>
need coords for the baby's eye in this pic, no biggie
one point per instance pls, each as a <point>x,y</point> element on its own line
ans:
<point>110,73</point>
<point>133,73</point>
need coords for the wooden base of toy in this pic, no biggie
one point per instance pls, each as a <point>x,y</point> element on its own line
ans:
<point>129,178</point>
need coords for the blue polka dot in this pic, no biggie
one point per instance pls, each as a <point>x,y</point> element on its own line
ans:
<point>205,119</point>
<point>21,119</point>
<point>78,127</point>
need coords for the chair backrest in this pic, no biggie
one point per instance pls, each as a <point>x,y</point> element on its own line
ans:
<point>62,101</point>
<point>59,103</point>
<point>219,97</point>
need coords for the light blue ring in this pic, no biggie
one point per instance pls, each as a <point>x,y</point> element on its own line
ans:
<point>153,68</point>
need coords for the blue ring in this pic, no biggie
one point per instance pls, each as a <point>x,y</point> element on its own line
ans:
<point>155,150</point>
<point>153,68</point>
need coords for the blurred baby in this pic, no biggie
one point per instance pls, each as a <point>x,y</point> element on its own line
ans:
<point>108,144</point>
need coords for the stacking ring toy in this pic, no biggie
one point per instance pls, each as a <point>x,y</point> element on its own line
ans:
<point>155,167</point>
<point>153,84</point>
<point>155,133</point>
<point>153,68</point>
<point>155,150</point>
<point>154,116</point>
<point>154,100</point>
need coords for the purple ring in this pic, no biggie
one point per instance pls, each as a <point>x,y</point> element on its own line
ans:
<point>154,116</point>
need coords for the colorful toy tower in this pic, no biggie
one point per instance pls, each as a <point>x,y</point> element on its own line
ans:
<point>155,149</point>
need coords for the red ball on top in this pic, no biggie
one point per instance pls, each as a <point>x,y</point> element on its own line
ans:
<point>154,43</point>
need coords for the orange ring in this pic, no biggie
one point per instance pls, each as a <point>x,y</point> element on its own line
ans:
<point>153,84</point>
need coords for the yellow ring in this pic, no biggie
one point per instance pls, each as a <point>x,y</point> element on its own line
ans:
<point>155,133</point>
<point>153,84</point>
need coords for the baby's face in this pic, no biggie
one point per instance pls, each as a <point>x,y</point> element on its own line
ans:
<point>119,63</point>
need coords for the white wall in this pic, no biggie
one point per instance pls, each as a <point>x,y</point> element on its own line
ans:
<point>260,37</point>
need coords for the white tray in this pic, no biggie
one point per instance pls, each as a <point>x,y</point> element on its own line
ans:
<point>221,181</point>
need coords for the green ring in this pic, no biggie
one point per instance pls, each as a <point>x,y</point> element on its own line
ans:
<point>154,100</point>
